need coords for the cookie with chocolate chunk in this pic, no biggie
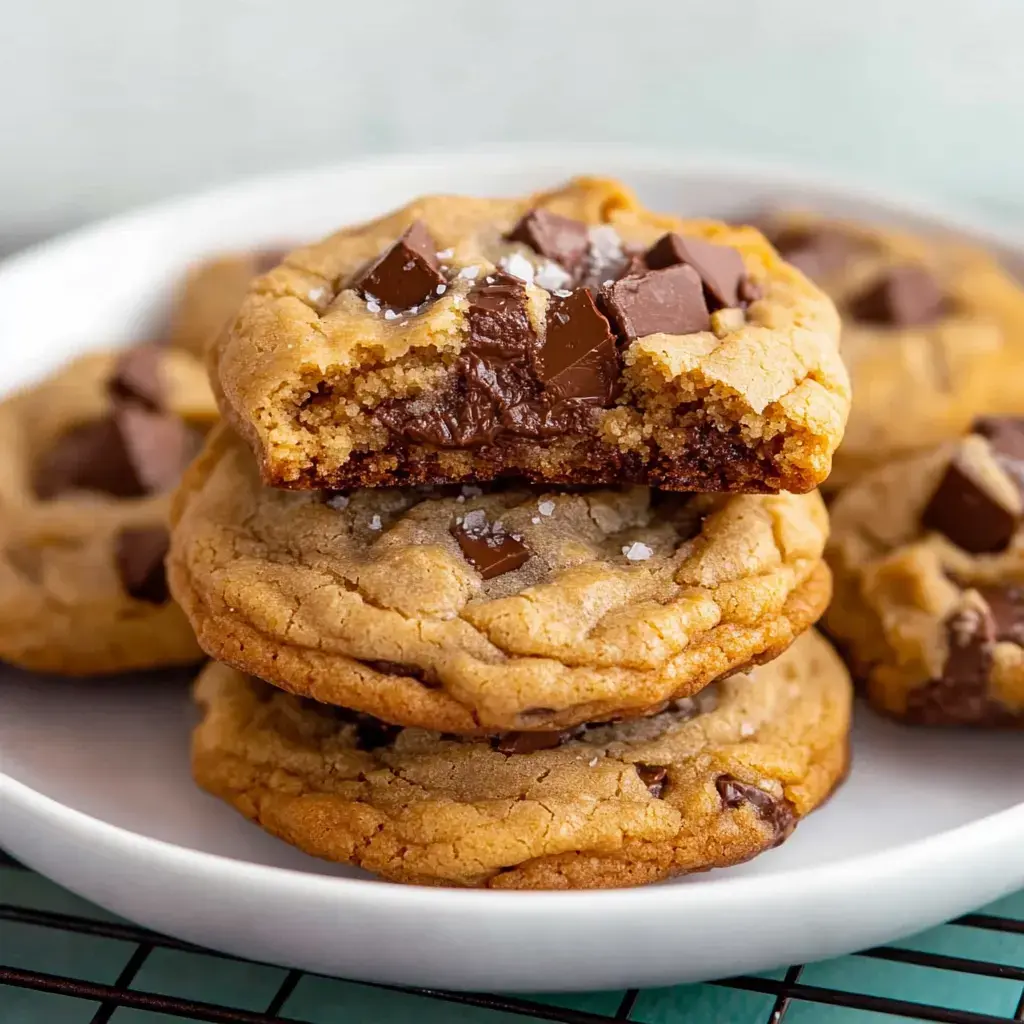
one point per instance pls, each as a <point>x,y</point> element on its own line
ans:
<point>928,555</point>
<point>471,610</point>
<point>705,783</point>
<point>933,333</point>
<point>89,459</point>
<point>571,337</point>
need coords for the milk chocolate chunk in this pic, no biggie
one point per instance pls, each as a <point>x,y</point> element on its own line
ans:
<point>966,512</point>
<point>137,376</point>
<point>139,554</point>
<point>653,776</point>
<point>668,301</point>
<point>89,457</point>
<point>407,274</point>
<point>1006,606</point>
<point>487,547</point>
<point>904,296</point>
<point>817,252</point>
<point>777,813</point>
<point>558,238</point>
<point>720,267</point>
<point>159,446</point>
<point>579,358</point>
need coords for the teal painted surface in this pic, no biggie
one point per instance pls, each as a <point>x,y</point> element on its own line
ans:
<point>315,1000</point>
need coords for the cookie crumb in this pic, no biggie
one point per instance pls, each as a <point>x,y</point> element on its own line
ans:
<point>637,552</point>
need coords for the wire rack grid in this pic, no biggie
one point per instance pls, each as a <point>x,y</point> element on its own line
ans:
<point>65,962</point>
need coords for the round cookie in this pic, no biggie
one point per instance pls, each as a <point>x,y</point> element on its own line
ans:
<point>211,294</point>
<point>88,460</point>
<point>467,611</point>
<point>928,556</point>
<point>933,333</point>
<point>569,337</point>
<point>705,783</point>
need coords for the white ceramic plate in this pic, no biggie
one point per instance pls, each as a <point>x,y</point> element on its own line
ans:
<point>95,790</point>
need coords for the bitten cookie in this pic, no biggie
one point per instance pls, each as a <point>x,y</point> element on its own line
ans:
<point>211,294</point>
<point>705,783</point>
<point>88,459</point>
<point>467,611</point>
<point>928,555</point>
<point>568,337</point>
<point>933,334</point>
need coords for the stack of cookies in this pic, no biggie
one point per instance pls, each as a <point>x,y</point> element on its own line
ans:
<point>505,539</point>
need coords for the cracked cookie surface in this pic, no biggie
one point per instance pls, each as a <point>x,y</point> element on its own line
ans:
<point>88,459</point>
<point>706,783</point>
<point>928,556</point>
<point>566,337</point>
<point>933,333</point>
<point>472,611</point>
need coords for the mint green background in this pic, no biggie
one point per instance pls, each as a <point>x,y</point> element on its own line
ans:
<point>319,1000</point>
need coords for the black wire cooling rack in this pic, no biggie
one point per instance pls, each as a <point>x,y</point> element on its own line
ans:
<point>784,998</point>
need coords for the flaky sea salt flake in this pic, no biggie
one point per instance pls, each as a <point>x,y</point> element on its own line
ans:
<point>375,523</point>
<point>546,508</point>
<point>637,552</point>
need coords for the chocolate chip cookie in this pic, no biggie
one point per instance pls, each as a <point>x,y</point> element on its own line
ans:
<point>467,610</point>
<point>928,554</point>
<point>933,333</point>
<point>88,460</point>
<point>571,337</point>
<point>705,783</point>
<point>211,294</point>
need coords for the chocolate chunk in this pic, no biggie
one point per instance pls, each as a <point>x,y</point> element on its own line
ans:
<point>395,668</point>
<point>777,813</point>
<point>653,776</point>
<point>370,733</point>
<point>406,274</point>
<point>530,742</point>
<point>159,446</point>
<point>817,252</point>
<point>558,238</point>
<point>669,301</point>
<point>89,457</point>
<point>1006,606</point>
<point>1006,439</point>
<point>904,296</point>
<point>487,548</point>
<point>139,555</point>
<point>965,511</point>
<point>137,376</point>
<point>579,358</point>
<point>496,314</point>
<point>720,267</point>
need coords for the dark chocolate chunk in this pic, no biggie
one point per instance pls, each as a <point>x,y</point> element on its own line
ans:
<point>817,252</point>
<point>89,457</point>
<point>777,813</point>
<point>139,554</point>
<point>669,301</point>
<point>159,446</point>
<point>487,548</point>
<point>720,267</point>
<point>407,274</point>
<point>1006,439</point>
<point>964,511</point>
<point>529,742</point>
<point>371,733</point>
<point>904,296</point>
<point>496,313</point>
<point>558,238</point>
<point>579,358</point>
<point>395,668</point>
<point>138,378</point>
<point>653,776</point>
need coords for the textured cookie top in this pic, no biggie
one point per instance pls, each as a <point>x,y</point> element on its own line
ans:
<point>514,608</point>
<point>704,783</point>
<point>89,458</point>
<point>344,332</point>
<point>932,327</point>
<point>929,561</point>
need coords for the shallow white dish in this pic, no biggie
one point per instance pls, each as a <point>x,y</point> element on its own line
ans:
<point>95,790</point>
